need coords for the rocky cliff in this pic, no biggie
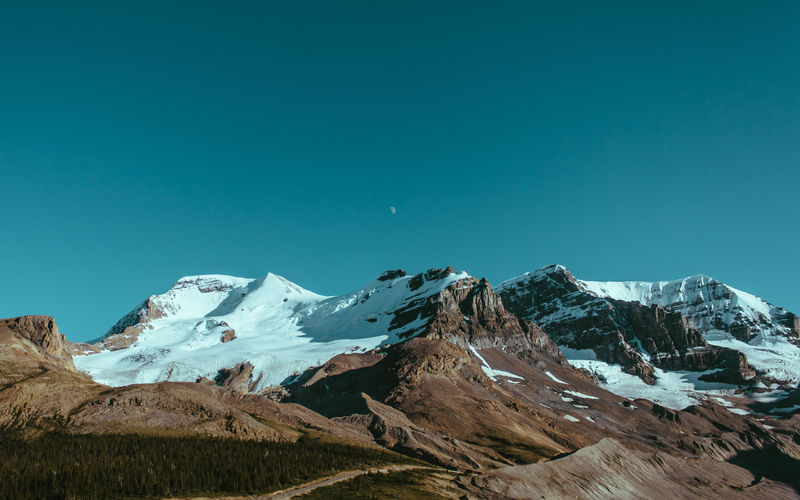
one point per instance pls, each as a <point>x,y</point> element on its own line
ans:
<point>636,336</point>
<point>35,336</point>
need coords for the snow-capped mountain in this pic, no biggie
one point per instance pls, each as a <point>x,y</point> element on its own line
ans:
<point>672,342</point>
<point>709,304</point>
<point>676,336</point>
<point>205,324</point>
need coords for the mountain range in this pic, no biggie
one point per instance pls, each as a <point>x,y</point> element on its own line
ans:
<point>674,342</point>
<point>688,387</point>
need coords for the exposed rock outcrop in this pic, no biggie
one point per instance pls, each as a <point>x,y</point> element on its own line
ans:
<point>237,379</point>
<point>127,330</point>
<point>390,428</point>
<point>228,335</point>
<point>35,335</point>
<point>468,312</point>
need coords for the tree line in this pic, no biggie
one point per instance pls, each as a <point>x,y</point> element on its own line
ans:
<point>67,466</point>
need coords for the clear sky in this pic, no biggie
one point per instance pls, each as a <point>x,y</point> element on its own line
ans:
<point>144,141</point>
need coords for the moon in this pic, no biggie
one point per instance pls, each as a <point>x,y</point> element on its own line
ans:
<point>393,210</point>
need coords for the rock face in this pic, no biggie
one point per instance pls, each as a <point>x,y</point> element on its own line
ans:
<point>392,429</point>
<point>38,335</point>
<point>228,335</point>
<point>468,312</point>
<point>127,330</point>
<point>637,336</point>
<point>237,379</point>
<point>38,381</point>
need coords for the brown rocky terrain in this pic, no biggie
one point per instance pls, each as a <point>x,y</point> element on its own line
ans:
<point>125,332</point>
<point>438,388</point>
<point>38,381</point>
<point>29,339</point>
<point>610,469</point>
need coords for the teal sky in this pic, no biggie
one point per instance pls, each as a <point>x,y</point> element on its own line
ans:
<point>141,142</point>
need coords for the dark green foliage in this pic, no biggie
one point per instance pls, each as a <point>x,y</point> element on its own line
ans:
<point>61,466</point>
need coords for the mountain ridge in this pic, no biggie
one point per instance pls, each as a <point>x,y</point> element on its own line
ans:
<point>205,324</point>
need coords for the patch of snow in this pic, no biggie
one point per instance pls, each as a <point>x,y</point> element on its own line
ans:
<point>773,354</point>
<point>675,389</point>
<point>571,418</point>
<point>554,378</point>
<point>491,372</point>
<point>723,402</point>
<point>579,394</point>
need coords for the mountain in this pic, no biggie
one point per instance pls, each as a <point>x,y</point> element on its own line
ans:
<point>685,335</point>
<point>207,324</point>
<point>674,342</point>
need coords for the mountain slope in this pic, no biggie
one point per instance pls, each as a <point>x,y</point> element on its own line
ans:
<point>610,469</point>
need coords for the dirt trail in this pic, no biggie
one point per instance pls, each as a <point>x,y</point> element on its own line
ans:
<point>319,483</point>
<point>327,481</point>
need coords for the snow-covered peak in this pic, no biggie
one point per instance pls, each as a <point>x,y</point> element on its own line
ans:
<point>585,317</point>
<point>215,295</point>
<point>538,274</point>
<point>205,323</point>
<point>371,310</point>
<point>709,303</point>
